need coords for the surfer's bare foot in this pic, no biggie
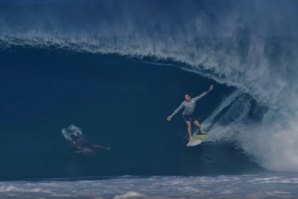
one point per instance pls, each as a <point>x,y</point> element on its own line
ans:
<point>191,140</point>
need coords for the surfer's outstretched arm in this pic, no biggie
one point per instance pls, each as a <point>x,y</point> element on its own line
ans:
<point>175,112</point>
<point>204,93</point>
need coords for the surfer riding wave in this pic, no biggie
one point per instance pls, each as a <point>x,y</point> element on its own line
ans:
<point>189,106</point>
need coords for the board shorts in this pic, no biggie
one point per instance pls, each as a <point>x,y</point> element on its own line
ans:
<point>188,118</point>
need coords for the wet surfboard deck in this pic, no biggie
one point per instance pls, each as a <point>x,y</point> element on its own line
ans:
<point>198,139</point>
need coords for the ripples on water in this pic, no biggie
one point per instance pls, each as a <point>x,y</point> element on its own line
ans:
<point>235,186</point>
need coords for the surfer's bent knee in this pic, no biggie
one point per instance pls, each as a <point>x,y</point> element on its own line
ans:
<point>188,123</point>
<point>196,122</point>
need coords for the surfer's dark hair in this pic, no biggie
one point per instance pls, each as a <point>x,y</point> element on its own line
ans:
<point>190,95</point>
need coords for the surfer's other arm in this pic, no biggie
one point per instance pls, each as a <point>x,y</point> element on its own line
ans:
<point>204,93</point>
<point>175,112</point>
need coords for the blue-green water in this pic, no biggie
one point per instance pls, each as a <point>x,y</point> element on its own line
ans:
<point>116,70</point>
<point>118,102</point>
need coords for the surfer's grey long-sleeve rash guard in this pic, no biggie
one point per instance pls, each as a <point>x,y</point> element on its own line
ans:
<point>189,107</point>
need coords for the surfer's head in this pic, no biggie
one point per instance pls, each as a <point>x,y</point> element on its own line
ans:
<point>187,97</point>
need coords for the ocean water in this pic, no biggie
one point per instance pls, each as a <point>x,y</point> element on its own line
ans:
<point>116,71</point>
<point>239,186</point>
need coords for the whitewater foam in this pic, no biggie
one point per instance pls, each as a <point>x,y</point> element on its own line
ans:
<point>239,186</point>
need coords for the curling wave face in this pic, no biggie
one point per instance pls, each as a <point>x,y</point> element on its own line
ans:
<point>248,45</point>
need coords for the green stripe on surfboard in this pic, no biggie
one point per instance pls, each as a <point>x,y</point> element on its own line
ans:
<point>199,137</point>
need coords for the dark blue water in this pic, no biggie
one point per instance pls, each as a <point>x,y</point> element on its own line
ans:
<point>117,69</point>
<point>118,102</point>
